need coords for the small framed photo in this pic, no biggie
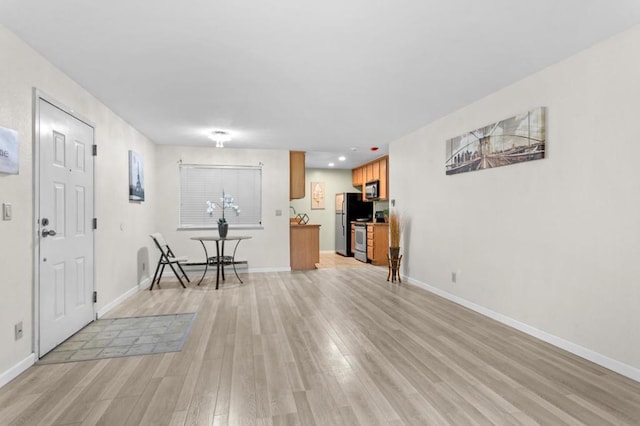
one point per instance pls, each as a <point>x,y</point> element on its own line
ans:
<point>136,177</point>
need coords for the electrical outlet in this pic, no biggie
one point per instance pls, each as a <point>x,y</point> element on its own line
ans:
<point>144,266</point>
<point>454,277</point>
<point>18,330</point>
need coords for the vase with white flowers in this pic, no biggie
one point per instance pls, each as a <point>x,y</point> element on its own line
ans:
<point>226,202</point>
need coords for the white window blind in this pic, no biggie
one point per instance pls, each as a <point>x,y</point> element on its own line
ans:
<point>202,183</point>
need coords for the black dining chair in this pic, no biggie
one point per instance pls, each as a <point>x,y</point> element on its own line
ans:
<point>167,258</point>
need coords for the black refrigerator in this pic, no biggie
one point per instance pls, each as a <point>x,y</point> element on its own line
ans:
<point>349,207</point>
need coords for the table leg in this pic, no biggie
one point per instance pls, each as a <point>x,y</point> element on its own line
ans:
<point>222,258</point>
<point>206,262</point>
<point>233,261</point>
<point>217,264</point>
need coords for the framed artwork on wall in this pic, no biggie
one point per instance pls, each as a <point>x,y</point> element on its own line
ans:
<point>136,177</point>
<point>9,151</point>
<point>514,140</point>
<point>317,195</point>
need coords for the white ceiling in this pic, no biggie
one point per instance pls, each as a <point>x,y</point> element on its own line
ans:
<point>324,76</point>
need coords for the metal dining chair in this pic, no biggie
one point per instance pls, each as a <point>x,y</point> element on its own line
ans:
<point>167,258</point>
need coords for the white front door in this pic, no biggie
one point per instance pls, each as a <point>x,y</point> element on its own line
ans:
<point>65,225</point>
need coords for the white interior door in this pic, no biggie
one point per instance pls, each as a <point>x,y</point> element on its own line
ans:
<point>65,222</point>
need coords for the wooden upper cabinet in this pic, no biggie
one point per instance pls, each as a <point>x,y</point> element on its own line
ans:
<point>296,175</point>
<point>375,170</point>
<point>368,173</point>
<point>357,178</point>
<point>384,178</point>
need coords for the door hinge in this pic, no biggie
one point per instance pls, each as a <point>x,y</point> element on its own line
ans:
<point>95,297</point>
<point>94,150</point>
<point>95,223</point>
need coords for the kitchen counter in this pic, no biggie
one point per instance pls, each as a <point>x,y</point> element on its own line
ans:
<point>304,246</point>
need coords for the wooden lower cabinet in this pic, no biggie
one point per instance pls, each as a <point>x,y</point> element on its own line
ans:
<point>304,246</point>
<point>377,243</point>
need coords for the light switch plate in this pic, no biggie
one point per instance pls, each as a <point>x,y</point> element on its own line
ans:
<point>6,211</point>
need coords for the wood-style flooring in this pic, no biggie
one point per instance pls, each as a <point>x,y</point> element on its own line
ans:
<point>337,346</point>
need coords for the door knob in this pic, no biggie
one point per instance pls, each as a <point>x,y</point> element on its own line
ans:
<point>47,233</point>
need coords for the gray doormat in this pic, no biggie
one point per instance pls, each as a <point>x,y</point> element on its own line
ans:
<point>111,338</point>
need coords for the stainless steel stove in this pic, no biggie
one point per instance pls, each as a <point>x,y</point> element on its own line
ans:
<point>361,242</point>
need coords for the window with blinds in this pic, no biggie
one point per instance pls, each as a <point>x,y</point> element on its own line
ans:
<point>202,183</point>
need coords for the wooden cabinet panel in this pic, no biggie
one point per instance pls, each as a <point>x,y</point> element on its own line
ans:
<point>304,246</point>
<point>368,173</point>
<point>375,170</point>
<point>356,177</point>
<point>384,179</point>
<point>296,175</point>
<point>377,243</point>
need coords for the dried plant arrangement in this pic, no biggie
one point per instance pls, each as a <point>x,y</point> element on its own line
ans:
<point>395,229</point>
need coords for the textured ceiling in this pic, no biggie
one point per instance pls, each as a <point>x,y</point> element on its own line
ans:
<point>324,77</point>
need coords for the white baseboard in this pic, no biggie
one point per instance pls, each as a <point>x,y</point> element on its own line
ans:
<point>588,354</point>
<point>145,284</point>
<point>17,369</point>
<point>109,306</point>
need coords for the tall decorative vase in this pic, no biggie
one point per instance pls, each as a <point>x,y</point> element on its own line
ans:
<point>222,229</point>
<point>394,264</point>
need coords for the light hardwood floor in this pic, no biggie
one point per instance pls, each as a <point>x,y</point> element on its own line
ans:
<point>333,260</point>
<point>326,347</point>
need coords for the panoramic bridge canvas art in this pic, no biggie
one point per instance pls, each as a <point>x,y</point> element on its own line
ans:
<point>513,140</point>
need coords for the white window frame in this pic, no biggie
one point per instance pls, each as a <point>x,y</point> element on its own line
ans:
<point>235,179</point>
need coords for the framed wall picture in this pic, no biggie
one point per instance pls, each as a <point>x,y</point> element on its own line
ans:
<point>510,141</point>
<point>317,195</point>
<point>136,177</point>
<point>9,151</point>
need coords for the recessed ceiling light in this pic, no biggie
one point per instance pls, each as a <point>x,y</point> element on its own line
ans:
<point>354,149</point>
<point>342,158</point>
<point>331,164</point>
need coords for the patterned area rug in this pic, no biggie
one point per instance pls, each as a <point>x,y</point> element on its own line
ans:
<point>111,338</point>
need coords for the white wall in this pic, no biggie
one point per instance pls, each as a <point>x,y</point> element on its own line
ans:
<point>269,247</point>
<point>553,244</point>
<point>336,180</point>
<point>123,227</point>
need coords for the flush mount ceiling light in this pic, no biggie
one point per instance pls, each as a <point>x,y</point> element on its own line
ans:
<point>342,158</point>
<point>220,137</point>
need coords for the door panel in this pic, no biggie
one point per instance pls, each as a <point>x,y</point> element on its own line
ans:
<point>65,207</point>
